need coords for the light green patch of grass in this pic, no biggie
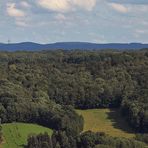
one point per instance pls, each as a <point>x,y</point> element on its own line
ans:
<point>106,120</point>
<point>15,134</point>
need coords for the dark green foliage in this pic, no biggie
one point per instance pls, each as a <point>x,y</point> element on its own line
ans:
<point>87,140</point>
<point>39,141</point>
<point>142,137</point>
<point>60,139</point>
<point>63,139</point>
<point>83,79</point>
<point>30,83</point>
<point>17,105</point>
<point>135,109</point>
<point>100,140</point>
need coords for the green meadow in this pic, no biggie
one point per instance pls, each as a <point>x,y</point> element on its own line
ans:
<point>106,120</point>
<point>15,134</point>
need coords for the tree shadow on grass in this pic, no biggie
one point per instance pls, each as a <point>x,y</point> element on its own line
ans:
<point>118,121</point>
<point>23,145</point>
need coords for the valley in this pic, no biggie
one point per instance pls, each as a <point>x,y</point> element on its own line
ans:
<point>108,121</point>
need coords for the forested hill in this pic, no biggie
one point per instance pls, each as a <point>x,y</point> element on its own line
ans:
<point>29,46</point>
<point>83,79</point>
<point>45,87</point>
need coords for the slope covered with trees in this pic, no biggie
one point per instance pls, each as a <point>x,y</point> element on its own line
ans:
<point>45,87</point>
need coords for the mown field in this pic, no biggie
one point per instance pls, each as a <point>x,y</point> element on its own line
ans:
<point>15,134</point>
<point>106,120</point>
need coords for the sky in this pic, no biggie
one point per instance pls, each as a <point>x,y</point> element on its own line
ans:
<point>98,21</point>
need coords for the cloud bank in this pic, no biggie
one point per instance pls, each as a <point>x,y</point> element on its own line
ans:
<point>75,19</point>
<point>13,11</point>
<point>67,5</point>
<point>119,7</point>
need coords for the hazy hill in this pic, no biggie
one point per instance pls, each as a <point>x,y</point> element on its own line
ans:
<point>30,46</point>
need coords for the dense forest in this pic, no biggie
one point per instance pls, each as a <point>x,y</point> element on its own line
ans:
<point>87,139</point>
<point>45,87</point>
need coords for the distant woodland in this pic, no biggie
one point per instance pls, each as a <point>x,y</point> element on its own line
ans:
<point>45,87</point>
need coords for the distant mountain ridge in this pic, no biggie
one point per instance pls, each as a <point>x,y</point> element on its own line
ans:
<point>30,46</point>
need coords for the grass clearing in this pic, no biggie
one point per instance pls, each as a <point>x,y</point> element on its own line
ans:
<point>15,134</point>
<point>106,120</point>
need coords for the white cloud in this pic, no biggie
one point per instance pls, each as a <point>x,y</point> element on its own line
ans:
<point>55,5</point>
<point>13,11</point>
<point>66,5</point>
<point>119,7</point>
<point>21,23</point>
<point>138,33</point>
<point>25,4</point>
<point>86,4</point>
<point>135,2</point>
<point>138,8</point>
<point>143,22</point>
<point>60,17</point>
<point>18,14</point>
<point>141,31</point>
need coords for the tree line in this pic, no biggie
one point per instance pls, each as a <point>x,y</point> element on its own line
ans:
<point>88,139</point>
